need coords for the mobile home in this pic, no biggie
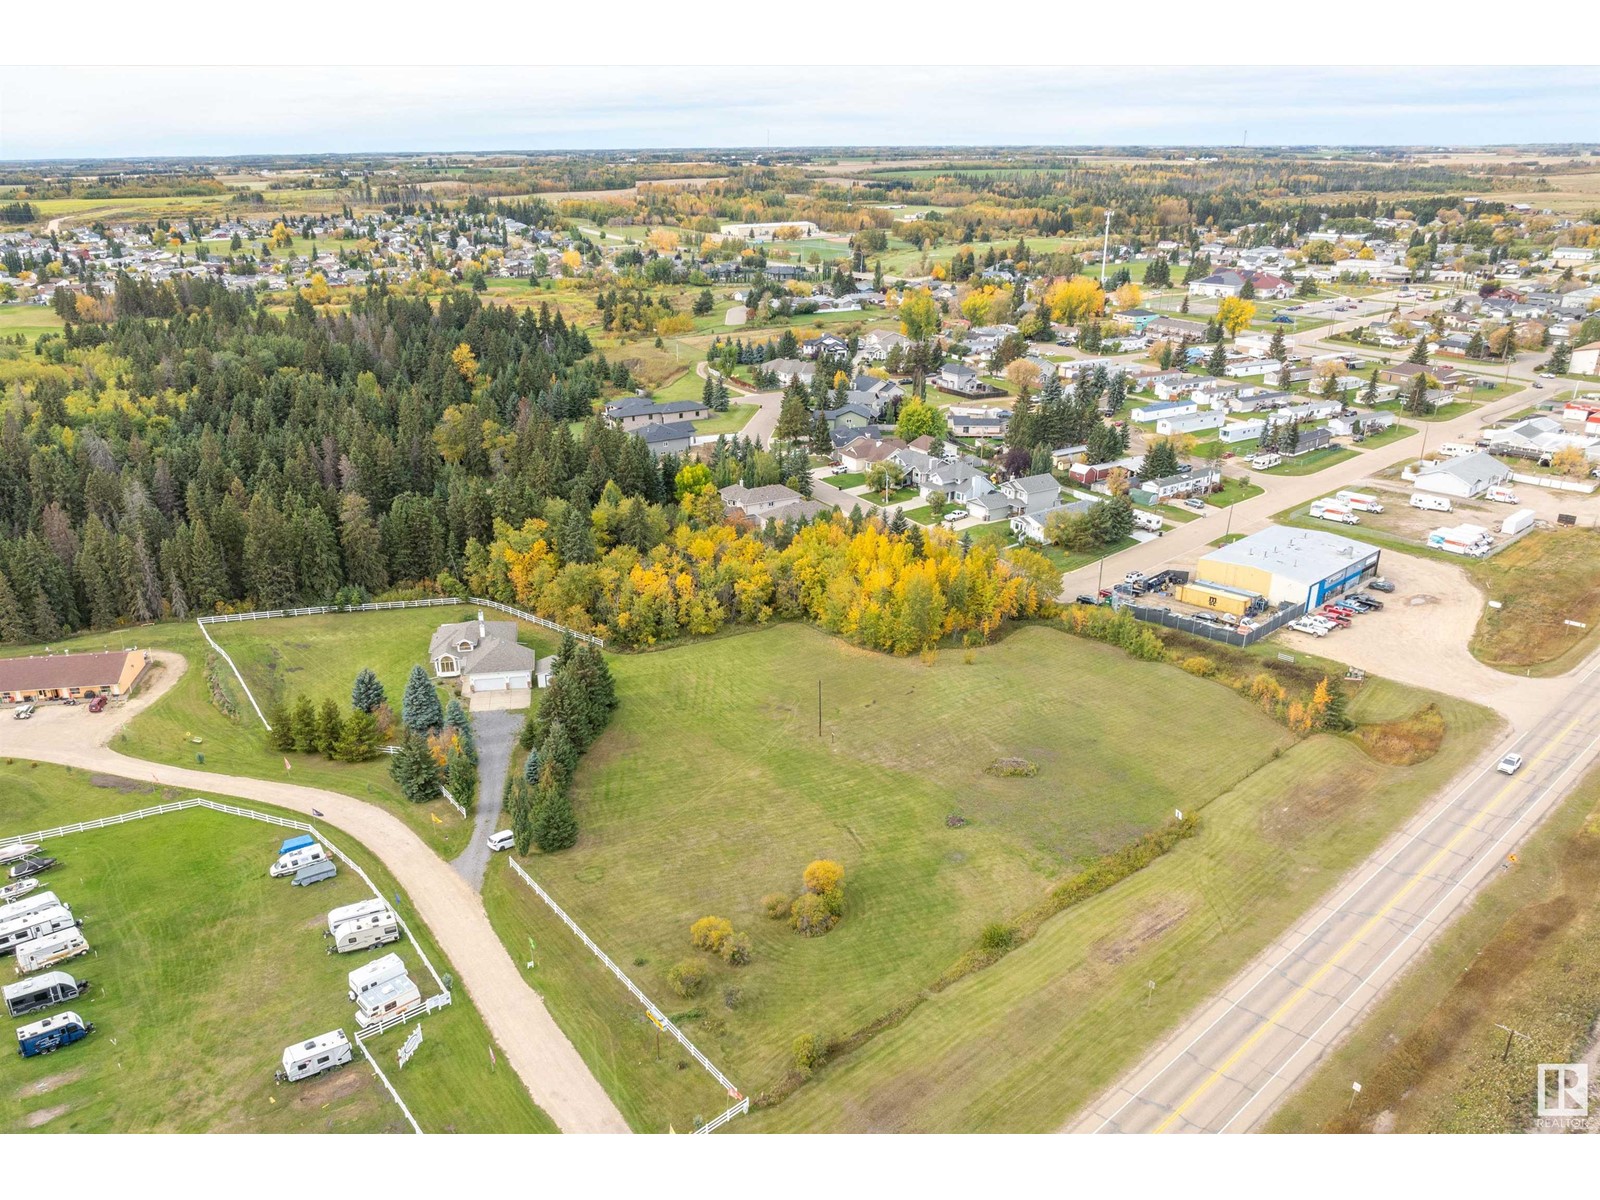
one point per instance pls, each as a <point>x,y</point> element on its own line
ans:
<point>354,912</point>
<point>49,950</point>
<point>291,862</point>
<point>34,925</point>
<point>322,1053</point>
<point>374,929</point>
<point>394,998</point>
<point>52,1033</point>
<point>378,971</point>
<point>42,991</point>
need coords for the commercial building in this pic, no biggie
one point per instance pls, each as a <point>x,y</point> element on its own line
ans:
<point>1290,566</point>
<point>70,676</point>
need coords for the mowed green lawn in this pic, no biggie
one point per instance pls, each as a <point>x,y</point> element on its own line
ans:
<point>713,788</point>
<point>1024,1045</point>
<point>204,968</point>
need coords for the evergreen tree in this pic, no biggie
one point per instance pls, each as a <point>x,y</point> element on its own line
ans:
<point>575,538</point>
<point>1419,352</point>
<point>282,722</point>
<point>897,523</point>
<point>1276,349</point>
<point>1217,364</point>
<point>414,769</point>
<point>530,768</point>
<point>329,726</point>
<point>520,802</point>
<point>1369,394</point>
<point>558,755</point>
<point>420,710</point>
<point>1160,460</point>
<point>461,778</point>
<point>1336,716</point>
<point>367,693</point>
<point>457,721</point>
<point>304,722</point>
<point>358,740</point>
<point>555,827</point>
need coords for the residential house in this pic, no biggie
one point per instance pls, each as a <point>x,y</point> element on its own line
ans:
<point>875,346</point>
<point>484,655</point>
<point>1190,423</point>
<point>1031,526</point>
<point>863,453</point>
<point>990,506</point>
<point>1241,431</point>
<point>958,377</point>
<point>1465,477</point>
<point>788,370</point>
<point>960,480</point>
<point>70,676</point>
<point>1307,441</point>
<point>771,503</point>
<point>1146,413</point>
<point>1197,482</point>
<point>633,412</point>
<point>673,437</point>
<point>991,424</point>
<point>1229,282</point>
<point>1032,493</point>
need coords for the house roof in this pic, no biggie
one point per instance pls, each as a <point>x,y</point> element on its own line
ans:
<point>1477,470</point>
<point>632,406</point>
<point>494,646</point>
<point>1034,485</point>
<point>739,496</point>
<point>667,431</point>
<point>62,670</point>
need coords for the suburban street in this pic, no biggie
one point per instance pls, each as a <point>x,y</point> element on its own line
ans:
<point>1228,1066</point>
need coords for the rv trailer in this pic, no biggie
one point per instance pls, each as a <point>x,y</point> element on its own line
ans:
<point>394,998</point>
<point>52,1033</point>
<point>378,971</point>
<point>306,1059</point>
<point>25,929</point>
<point>49,950</point>
<point>314,873</point>
<point>375,929</point>
<point>42,991</point>
<point>354,912</point>
<point>291,862</point>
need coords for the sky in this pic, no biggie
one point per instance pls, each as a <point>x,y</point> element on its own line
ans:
<point>106,111</point>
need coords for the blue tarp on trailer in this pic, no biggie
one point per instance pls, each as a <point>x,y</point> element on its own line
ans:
<point>295,843</point>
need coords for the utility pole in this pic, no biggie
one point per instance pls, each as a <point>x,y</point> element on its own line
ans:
<point>1105,247</point>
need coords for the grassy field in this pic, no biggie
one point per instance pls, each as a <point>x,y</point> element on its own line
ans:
<point>1392,434</point>
<point>30,320</point>
<point>197,950</point>
<point>1025,1044</point>
<point>732,421</point>
<point>669,837</point>
<point>1312,462</point>
<point>1542,581</point>
<point>1526,954</point>
<point>1233,491</point>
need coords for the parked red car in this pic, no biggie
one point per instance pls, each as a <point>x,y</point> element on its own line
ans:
<point>98,704</point>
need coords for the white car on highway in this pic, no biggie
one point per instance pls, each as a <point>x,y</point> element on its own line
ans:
<point>1509,765</point>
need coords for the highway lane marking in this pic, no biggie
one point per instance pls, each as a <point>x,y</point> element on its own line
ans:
<point>1446,810</point>
<point>1411,933</point>
<point>1371,923</point>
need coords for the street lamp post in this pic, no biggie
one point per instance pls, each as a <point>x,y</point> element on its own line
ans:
<point>1105,247</point>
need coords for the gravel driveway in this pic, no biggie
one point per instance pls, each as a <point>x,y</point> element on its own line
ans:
<point>496,733</point>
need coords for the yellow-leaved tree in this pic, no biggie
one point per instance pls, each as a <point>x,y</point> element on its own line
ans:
<point>1235,314</point>
<point>1073,300</point>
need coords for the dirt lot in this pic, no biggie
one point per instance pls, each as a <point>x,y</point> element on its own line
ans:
<point>1421,638</point>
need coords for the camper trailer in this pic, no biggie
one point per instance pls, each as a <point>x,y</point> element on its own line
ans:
<point>354,912</point>
<point>379,970</point>
<point>374,929</point>
<point>34,903</point>
<point>15,850</point>
<point>1148,521</point>
<point>52,1033</point>
<point>299,842</point>
<point>42,991</point>
<point>49,950</point>
<point>291,862</point>
<point>314,873</point>
<point>394,998</point>
<point>1432,503</point>
<point>306,1059</point>
<point>24,929</point>
<point>1265,462</point>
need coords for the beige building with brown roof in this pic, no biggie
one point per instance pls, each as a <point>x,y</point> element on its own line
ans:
<point>74,676</point>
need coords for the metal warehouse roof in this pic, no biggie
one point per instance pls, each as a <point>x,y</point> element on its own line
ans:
<point>1306,555</point>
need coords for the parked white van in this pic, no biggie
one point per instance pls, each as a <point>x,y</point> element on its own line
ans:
<point>1431,503</point>
<point>291,862</point>
<point>1501,495</point>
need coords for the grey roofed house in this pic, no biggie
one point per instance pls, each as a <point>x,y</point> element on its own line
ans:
<point>673,437</point>
<point>1470,475</point>
<point>796,512</point>
<point>1033,493</point>
<point>632,411</point>
<point>1309,440</point>
<point>757,499</point>
<point>991,506</point>
<point>883,389</point>
<point>852,416</point>
<point>788,369</point>
<point>485,655</point>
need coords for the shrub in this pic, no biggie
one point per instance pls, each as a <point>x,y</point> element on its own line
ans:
<point>736,950</point>
<point>1198,664</point>
<point>997,937</point>
<point>823,876</point>
<point>732,996</point>
<point>812,915</point>
<point>687,977</point>
<point>1013,768</point>
<point>808,1053</point>
<point>776,905</point>
<point>709,933</point>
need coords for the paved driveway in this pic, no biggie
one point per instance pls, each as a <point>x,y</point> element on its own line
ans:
<point>496,733</point>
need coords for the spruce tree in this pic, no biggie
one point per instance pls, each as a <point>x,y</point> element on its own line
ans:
<point>530,768</point>
<point>367,693</point>
<point>521,806</point>
<point>1217,364</point>
<point>558,755</point>
<point>456,719</point>
<point>414,770</point>
<point>461,777</point>
<point>329,726</point>
<point>358,740</point>
<point>304,722</point>
<point>555,826</point>
<point>420,710</point>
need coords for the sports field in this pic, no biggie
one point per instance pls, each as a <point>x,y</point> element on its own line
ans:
<point>204,968</point>
<point>714,788</point>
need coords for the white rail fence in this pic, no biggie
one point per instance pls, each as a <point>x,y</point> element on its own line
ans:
<point>431,1005</point>
<point>229,660</point>
<point>659,1018</point>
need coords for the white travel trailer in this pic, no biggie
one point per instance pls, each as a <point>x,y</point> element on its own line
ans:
<point>378,971</point>
<point>354,912</point>
<point>395,998</point>
<point>42,991</point>
<point>375,929</point>
<point>1432,503</point>
<point>306,1059</point>
<point>24,929</point>
<point>49,950</point>
<point>21,908</point>
<point>291,862</point>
